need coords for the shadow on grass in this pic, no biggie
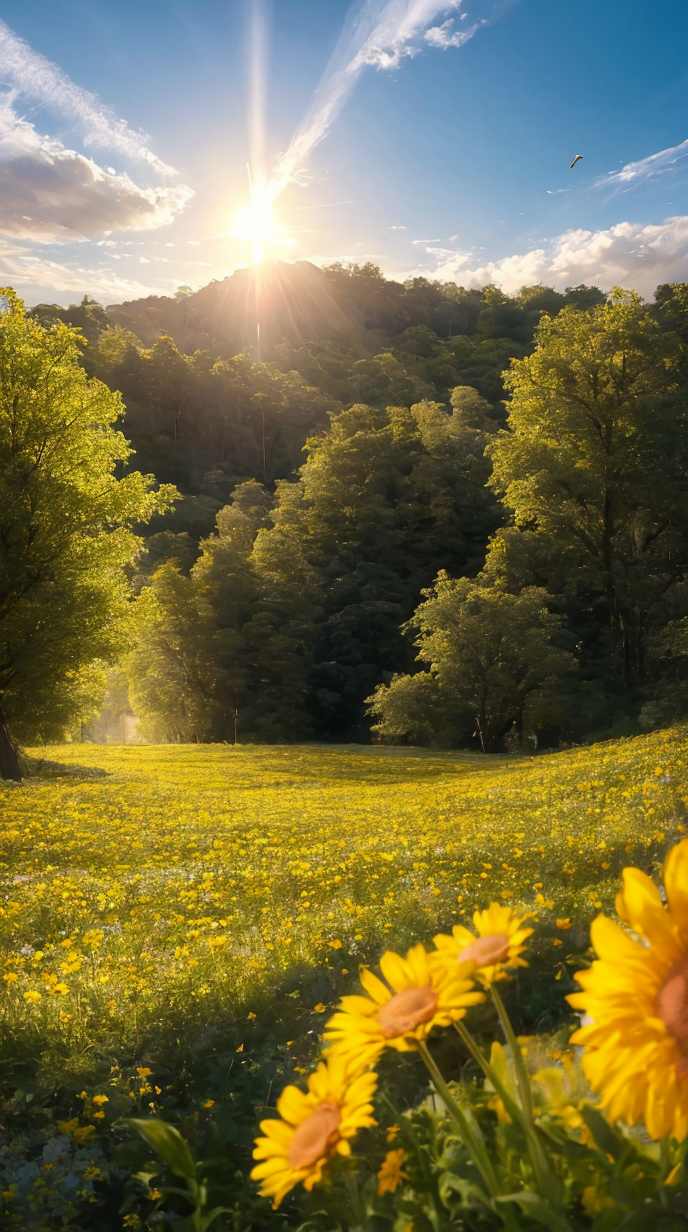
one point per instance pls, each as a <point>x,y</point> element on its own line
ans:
<point>42,768</point>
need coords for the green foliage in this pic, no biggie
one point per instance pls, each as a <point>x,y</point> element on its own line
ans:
<point>204,422</point>
<point>494,664</point>
<point>593,469</point>
<point>292,612</point>
<point>66,527</point>
<point>331,337</point>
<point>223,652</point>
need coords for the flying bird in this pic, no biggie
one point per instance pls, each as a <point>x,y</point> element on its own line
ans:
<point>576,160</point>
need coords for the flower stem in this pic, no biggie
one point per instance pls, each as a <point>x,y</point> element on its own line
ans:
<point>513,1109</point>
<point>522,1079</point>
<point>546,1180</point>
<point>475,1148</point>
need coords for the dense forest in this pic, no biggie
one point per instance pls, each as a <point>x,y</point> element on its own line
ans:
<point>439,515</point>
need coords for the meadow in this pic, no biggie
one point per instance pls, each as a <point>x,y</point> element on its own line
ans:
<point>176,921</point>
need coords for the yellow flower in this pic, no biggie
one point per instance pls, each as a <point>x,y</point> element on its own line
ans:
<point>419,995</point>
<point>636,995</point>
<point>595,1202</point>
<point>315,1125</point>
<point>390,1172</point>
<point>497,947</point>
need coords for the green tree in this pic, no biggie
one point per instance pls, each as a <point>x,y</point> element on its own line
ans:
<point>191,669</point>
<point>66,533</point>
<point>387,497</point>
<point>594,468</point>
<point>171,667</point>
<point>493,663</point>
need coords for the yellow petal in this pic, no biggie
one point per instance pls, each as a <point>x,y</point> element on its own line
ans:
<point>293,1106</point>
<point>374,987</point>
<point>676,884</point>
<point>644,908</point>
<point>612,943</point>
<point>395,971</point>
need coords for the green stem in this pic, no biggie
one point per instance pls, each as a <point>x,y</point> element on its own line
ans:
<point>522,1079</point>
<point>515,1112</point>
<point>537,1157</point>
<point>475,1148</point>
<point>354,1198</point>
<point>546,1178</point>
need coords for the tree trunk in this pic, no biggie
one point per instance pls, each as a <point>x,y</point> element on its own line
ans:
<point>10,765</point>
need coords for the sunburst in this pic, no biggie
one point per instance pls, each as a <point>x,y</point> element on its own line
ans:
<point>256,224</point>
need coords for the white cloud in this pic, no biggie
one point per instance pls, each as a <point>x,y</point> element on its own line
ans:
<point>23,269</point>
<point>632,255</point>
<point>380,33</point>
<point>49,192</point>
<point>646,168</point>
<point>446,36</point>
<point>31,75</point>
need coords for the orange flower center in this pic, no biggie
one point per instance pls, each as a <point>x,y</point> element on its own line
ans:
<point>316,1137</point>
<point>407,1010</point>
<point>672,1003</point>
<point>486,951</point>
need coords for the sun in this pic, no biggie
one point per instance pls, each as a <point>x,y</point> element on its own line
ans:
<point>256,224</point>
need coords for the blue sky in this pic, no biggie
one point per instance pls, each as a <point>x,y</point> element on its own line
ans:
<point>124,137</point>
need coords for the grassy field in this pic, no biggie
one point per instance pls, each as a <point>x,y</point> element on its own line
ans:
<point>162,898</point>
<point>185,878</point>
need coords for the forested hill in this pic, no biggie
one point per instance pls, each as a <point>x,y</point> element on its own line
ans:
<point>297,304</point>
<point>501,478</point>
<point>203,413</point>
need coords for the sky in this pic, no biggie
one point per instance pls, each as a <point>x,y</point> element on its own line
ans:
<point>430,138</point>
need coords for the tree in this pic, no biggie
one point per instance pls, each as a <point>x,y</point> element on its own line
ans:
<point>170,669</point>
<point>226,650</point>
<point>410,710</point>
<point>387,497</point>
<point>594,467</point>
<point>493,662</point>
<point>191,668</point>
<point>66,535</point>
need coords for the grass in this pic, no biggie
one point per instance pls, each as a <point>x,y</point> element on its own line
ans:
<point>195,893</point>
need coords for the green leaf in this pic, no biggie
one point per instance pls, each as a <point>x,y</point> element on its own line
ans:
<point>168,1143</point>
<point>206,1220</point>
<point>533,1205</point>
<point>605,1137</point>
<point>469,1193</point>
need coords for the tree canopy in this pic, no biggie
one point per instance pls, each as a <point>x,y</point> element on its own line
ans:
<point>401,454</point>
<point>67,513</point>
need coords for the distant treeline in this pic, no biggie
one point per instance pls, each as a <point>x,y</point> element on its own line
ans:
<point>487,540</point>
<point>204,414</point>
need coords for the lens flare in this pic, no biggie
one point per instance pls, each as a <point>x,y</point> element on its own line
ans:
<point>256,224</point>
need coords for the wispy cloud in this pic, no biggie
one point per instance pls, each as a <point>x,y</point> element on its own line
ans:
<point>19,266</point>
<point>32,76</point>
<point>646,168</point>
<point>446,35</point>
<point>627,254</point>
<point>379,34</point>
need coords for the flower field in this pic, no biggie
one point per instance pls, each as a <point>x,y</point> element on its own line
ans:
<point>186,878</point>
<point>177,922</point>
